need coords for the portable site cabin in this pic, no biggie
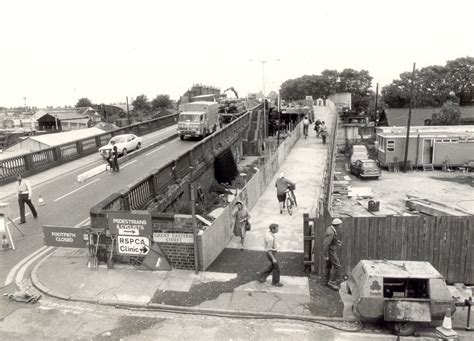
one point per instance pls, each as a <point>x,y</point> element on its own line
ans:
<point>436,145</point>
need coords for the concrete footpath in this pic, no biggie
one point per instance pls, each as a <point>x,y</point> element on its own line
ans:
<point>230,283</point>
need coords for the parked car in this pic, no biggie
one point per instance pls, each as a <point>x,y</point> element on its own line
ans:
<point>124,143</point>
<point>359,152</point>
<point>366,169</point>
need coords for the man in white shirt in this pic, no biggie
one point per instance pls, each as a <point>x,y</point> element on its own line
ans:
<point>24,193</point>
<point>270,245</point>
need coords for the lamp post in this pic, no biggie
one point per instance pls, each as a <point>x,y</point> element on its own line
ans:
<point>263,81</point>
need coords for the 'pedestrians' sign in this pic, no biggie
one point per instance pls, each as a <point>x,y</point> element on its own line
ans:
<point>135,223</point>
<point>64,236</point>
<point>128,245</point>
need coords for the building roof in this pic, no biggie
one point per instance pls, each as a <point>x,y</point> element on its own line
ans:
<point>67,136</point>
<point>398,117</point>
<point>462,130</point>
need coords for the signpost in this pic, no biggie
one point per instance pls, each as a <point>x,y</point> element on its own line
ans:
<point>176,238</point>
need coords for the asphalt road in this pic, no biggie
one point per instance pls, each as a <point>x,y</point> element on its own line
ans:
<point>68,202</point>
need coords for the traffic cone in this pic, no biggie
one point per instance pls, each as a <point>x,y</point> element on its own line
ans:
<point>5,245</point>
<point>41,201</point>
<point>446,331</point>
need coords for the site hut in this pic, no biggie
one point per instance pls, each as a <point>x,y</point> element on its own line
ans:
<point>436,145</point>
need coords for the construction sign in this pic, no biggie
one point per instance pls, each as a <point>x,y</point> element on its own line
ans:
<point>64,236</point>
<point>133,223</point>
<point>130,245</point>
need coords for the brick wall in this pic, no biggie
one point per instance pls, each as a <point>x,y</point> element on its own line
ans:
<point>180,256</point>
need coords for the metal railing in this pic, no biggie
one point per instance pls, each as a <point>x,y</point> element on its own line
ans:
<point>138,194</point>
<point>38,161</point>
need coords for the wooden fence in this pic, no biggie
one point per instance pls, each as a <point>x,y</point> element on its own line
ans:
<point>447,242</point>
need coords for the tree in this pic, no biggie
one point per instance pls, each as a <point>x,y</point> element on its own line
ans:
<point>460,76</point>
<point>141,104</point>
<point>448,115</point>
<point>83,102</point>
<point>161,102</point>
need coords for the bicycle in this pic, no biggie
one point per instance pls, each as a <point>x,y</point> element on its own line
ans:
<point>290,199</point>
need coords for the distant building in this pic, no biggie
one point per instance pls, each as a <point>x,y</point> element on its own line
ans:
<point>199,90</point>
<point>54,120</point>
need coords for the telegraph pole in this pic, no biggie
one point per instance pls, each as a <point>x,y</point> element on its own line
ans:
<point>376,102</point>
<point>128,113</point>
<point>407,141</point>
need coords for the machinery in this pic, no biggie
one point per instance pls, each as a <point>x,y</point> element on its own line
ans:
<point>233,90</point>
<point>399,292</point>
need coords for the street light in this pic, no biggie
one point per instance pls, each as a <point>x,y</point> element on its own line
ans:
<point>263,80</point>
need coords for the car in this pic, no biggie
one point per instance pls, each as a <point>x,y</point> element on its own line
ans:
<point>359,152</point>
<point>125,143</point>
<point>366,169</point>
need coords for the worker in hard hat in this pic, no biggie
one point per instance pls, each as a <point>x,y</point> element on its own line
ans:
<point>331,259</point>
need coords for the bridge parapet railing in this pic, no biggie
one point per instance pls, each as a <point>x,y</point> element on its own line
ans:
<point>40,160</point>
<point>145,189</point>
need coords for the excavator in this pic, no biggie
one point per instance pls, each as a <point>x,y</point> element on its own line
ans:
<point>233,90</point>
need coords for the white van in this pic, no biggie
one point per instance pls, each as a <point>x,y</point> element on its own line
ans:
<point>198,119</point>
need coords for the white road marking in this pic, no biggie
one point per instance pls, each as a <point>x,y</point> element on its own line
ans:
<point>21,272</point>
<point>128,164</point>
<point>18,218</point>
<point>154,151</point>
<point>12,272</point>
<point>77,189</point>
<point>24,267</point>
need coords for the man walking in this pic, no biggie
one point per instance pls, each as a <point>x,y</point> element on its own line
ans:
<point>330,255</point>
<point>270,245</point>
<point>305,126</point>
<point>24,193</point>
<point>282,184</point>
<point>323,131</point>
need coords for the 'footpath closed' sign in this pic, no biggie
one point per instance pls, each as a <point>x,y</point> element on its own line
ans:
<point>64,236</point>
<point>135,223</point>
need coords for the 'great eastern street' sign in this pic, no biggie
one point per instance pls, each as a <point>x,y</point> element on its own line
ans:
<point>134,223</point>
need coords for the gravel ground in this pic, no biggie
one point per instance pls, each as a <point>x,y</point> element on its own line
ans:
<point>452,188</point>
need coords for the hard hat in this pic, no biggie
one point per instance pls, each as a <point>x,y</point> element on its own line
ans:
<point>336,221</point>
<point>282,174</point>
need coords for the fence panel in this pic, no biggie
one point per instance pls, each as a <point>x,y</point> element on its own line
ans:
<point>447,242</point>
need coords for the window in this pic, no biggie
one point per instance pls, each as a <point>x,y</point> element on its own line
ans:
<point>390,145</point>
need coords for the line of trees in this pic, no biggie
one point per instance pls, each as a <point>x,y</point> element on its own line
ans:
<point>330,82</point>
<point>434,85</point>
<point>160,102</point>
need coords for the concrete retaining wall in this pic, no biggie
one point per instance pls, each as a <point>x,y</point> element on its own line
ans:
<point>216,237</point>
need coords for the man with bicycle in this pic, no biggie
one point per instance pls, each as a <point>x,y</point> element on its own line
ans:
<point>282,185</point>
<point>305,126</point>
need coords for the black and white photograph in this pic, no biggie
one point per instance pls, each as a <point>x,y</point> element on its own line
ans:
<point>236,170</point>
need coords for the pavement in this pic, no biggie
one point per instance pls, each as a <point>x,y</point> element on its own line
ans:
<point>229,285</point>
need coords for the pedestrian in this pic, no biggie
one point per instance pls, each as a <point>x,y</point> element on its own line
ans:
<point>115,153</point>
<point>108,157</point>
<point>270,244</point>
<point>332,264</point>
<point>317,126</point>
<point>282,185</point>
<point>323,131</point>
<point>305,126</point>
<point>24,193</point>
<point>242,217</point>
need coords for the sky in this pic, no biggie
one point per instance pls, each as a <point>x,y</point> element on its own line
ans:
<point>55,52</point>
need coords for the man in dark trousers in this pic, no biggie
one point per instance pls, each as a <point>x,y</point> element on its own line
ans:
<point>24,193</point>
<point>115,164</point>
<point>331,259</point>
<point>270,245</point>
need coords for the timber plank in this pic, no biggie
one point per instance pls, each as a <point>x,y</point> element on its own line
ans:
<point>364,241</point>
<point>397,251</point>
<point>469,272</point>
